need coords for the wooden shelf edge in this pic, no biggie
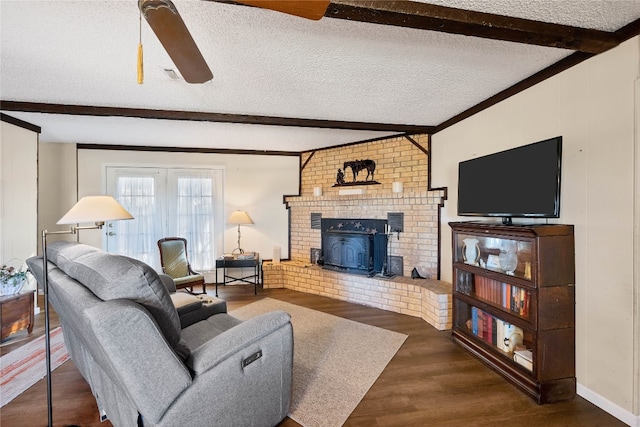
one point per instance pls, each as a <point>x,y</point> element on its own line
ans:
<point>556,390</point>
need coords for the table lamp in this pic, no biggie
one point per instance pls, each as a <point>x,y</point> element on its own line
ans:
<point>96,209</point>
<point>239,217</point>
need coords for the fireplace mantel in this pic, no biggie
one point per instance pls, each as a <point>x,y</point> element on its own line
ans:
<point>330,197</point>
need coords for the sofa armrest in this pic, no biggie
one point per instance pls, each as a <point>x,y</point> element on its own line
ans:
<point>168,282</point>
<point>137,352</point>
<point>232,341</point>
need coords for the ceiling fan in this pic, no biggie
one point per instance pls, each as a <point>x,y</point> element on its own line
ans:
<point>167,24</point>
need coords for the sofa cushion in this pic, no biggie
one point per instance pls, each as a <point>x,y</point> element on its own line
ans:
<point>111,277</point>
<point>185,303</point>
<point>210,306</point>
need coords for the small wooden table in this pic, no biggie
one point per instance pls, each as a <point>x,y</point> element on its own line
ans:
<point>225,263</point>
<point>16,313</point>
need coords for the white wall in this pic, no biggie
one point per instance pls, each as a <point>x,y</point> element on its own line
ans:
<point>592,106</point>
<point>57,188</point>
<point>18,194</point>
<point>254,183</point>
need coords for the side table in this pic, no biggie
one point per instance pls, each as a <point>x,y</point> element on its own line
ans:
<point>225,263</point>
<point>16,313</point>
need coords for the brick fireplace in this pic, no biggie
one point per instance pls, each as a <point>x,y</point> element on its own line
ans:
<point>416,246</point>
<point>398,160</point>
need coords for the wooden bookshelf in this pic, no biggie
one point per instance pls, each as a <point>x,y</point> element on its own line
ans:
<point>513,290</point>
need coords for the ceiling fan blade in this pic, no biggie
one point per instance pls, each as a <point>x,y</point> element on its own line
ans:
<point>167,24</point>
<point>311,9</point>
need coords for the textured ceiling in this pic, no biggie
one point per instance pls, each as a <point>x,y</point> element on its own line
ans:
<point>265,63</point>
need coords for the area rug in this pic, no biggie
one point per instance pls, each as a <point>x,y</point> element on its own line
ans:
<point>23,367</point>
<point>335,363</point>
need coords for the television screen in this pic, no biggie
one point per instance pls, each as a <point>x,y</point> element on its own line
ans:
<point>520,182</point>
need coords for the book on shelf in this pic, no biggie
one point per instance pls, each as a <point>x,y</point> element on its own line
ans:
<point>474,320</point>
<point>500,328</point>
<point>501,294</point>
<point>524,358</point>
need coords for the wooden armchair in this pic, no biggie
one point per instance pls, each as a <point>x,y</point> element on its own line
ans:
<point>175,263</point>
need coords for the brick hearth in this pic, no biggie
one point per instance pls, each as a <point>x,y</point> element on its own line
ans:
<point>427,299</point>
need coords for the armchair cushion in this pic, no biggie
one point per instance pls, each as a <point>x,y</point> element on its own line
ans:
<point>184,281</point>
<point>176,264</point>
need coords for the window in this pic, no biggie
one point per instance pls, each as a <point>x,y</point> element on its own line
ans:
<point>193,215</point>
<point>167,202</point>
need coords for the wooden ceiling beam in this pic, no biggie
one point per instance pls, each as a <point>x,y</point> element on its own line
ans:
<point>424,16</point>
<point>84,110</point>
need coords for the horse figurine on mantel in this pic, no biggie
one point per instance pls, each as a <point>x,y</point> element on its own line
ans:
<point>358,165</point>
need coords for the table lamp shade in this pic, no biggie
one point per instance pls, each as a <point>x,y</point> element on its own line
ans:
<point>239,217</point>
<point>95,209</point>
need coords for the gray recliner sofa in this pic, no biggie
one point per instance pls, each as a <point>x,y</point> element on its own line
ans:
<point>123,333</point>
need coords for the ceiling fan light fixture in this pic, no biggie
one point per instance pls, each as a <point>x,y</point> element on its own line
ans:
<point>148,5</point>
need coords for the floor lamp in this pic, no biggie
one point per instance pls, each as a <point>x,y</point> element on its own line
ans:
<point>96,209</point>
<point>239,217</point>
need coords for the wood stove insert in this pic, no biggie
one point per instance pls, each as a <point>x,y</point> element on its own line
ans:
<point>354,245</point>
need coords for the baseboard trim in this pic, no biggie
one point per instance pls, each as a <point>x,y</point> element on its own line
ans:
<point>608,406</point>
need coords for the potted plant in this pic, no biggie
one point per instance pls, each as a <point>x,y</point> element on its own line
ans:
<point>12,279</point>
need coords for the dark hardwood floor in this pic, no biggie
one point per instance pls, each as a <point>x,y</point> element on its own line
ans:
<point>430,381</point>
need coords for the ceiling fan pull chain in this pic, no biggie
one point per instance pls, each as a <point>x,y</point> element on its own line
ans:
<point>140,62</point>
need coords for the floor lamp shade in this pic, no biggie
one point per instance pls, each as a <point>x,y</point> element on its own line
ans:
<point>238,218</point>
<point>95,209</point>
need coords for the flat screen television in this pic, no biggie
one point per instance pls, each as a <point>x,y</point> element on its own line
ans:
<point>521,182</point>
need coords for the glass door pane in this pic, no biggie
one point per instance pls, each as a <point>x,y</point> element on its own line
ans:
<point>140,191</point>
<point>192,195</point>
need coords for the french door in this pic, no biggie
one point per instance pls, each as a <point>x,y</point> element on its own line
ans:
<point>177,202</point>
